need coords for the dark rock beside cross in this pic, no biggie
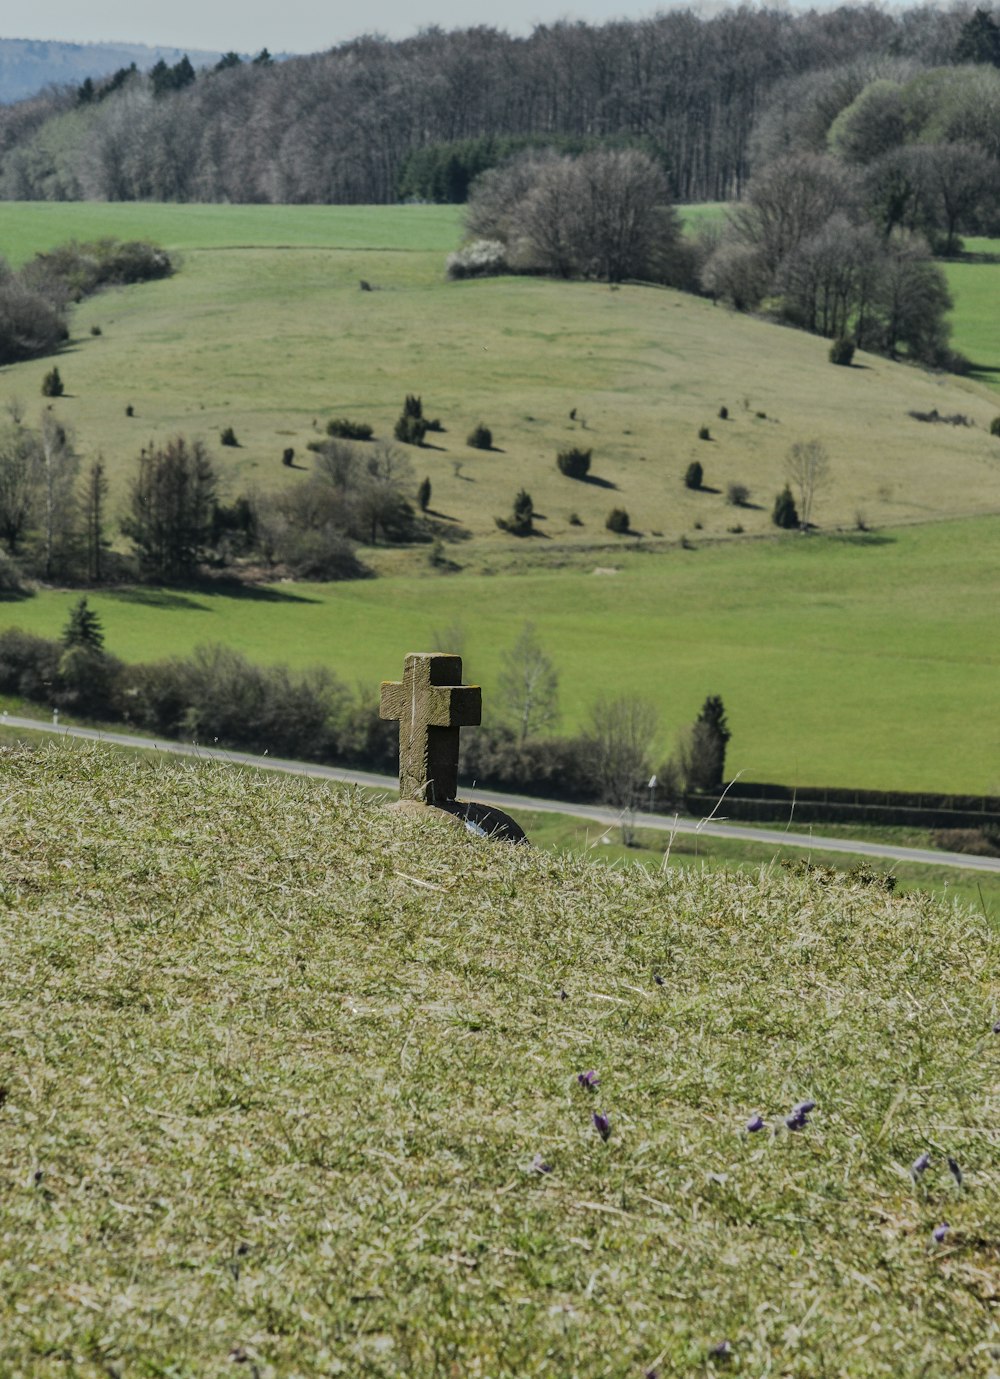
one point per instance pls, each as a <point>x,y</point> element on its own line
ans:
<point>432,705</point>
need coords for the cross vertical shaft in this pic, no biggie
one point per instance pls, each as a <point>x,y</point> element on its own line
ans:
<point>431,704</point>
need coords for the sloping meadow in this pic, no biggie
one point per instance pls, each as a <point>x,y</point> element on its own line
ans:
<point>292,1086</point>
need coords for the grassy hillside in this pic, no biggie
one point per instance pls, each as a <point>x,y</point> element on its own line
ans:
<point>235,1129</point>
<point>272,341</point>
<point>975,287</point>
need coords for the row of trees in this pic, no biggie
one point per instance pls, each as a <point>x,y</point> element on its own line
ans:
<point>216,694</point>
<point>54,521</point>
<point>343,126</point>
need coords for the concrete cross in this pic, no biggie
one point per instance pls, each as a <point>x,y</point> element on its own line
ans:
<point>431,704</point>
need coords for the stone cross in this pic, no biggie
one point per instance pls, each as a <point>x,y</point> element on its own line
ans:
<point>431,704</point>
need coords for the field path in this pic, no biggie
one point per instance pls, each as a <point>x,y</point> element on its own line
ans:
<point>665,823</point>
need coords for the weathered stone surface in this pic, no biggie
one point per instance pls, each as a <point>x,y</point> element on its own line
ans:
<point>431,704</point>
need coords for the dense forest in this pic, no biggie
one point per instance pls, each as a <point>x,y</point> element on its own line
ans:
<point>711,98</point>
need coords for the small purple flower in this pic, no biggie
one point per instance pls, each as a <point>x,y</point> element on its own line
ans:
<point>602,1124</point>
<point>954,1170</point>
<point>755,1123</point>
<point>538,1165</point>
<point>920,1166</point>
<point>651,1374</point>
<point>939,1232</point>
<point>660,981</point>
<point>588,1079</point>
<point>799,1117</point>
<point>721,1350</point>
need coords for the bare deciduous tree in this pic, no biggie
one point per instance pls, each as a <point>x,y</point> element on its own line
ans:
<point>807,466</point>
<point>620,742</point>
<point>528,685</point>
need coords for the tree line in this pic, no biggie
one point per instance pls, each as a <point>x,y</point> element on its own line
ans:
<point>346,126</point>
<point>216,695</point>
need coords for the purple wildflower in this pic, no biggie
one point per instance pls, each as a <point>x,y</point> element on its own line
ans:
<point>803,1108</point>
<point>920,1166</point>
<point>799,1117</point>
<point>755,1123</point>
<point>588,1079</point>
<point>939,1232</point>
<point>721,1350</point>
<point>602,1124</point>
<point>954,1170</point>
<point>538,1165</point>
<point>652,1374</point>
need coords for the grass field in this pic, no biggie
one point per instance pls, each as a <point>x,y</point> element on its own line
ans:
<point>290,1085</point>
<point>841,662</point>
<point>273,341</point>
<point>975,287</point>
<point>864,658</point>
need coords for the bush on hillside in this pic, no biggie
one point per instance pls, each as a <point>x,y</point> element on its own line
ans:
<point>704,434</point>
<point>348,430</point>
<point>521,520</point>
<point>842,351</point>
<point>995,427</point>
<point>228,437</point>
<point>617,521</point>
<point>785,514</point>
<point>737,495</point>
<point>30,324</point>
<point>410,430</point>
<point>52,384</point>
<point>694,475</point>
<point>482,258</point>
<point>574,463</point>
<point>480,438</point>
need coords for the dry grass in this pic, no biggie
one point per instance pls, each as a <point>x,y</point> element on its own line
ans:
<point>277,1065</point>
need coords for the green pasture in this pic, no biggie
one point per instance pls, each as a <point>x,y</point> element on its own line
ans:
<point>291,1086</point>
<point>975,286</point>
<point>274,341</point>
<point>865,661</point>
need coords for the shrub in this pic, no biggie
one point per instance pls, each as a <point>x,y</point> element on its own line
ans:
<point>737,495</point>
<point>348,430</point>
<point>575,520</point>
<point>96,330</point>
<point>995,427</point>
<point>413,406</point>
<point>723,413</point>
<point>842,351</point>
<point>521,520</point>
<point>130,410</point>
<point>693,475</point>
<point>617,521</point>
<point>52,384</point>
<point>574,463</point>
<point>480,259</point>
<point>481,438</point>
<point>785,513</point>
<point>228,437</point>
<point>287,456</point>
<point>30,324</point>
<point>424,494</point>
<point>410,429</point>
<point>434,425</point>
<point>704,434</point>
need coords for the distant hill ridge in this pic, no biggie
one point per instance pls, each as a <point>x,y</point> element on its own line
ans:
<point>28,65</point>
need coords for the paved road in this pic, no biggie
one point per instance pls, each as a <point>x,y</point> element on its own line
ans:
<point>515,804</point>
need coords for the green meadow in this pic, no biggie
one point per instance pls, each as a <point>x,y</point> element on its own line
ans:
<point>855,657</point>
<point>291,1086</point>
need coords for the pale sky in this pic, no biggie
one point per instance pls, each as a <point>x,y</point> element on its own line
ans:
<point>293,26</point>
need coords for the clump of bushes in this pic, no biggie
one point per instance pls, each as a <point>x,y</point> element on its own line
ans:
<point>52,384</point>
<point>995,427</point>
<point>480,438</point>
<point>693,475</point>
<point>946,419</point>
<point>411,428</point>
<point>737,495</point>
<point>348,430</point>
<point>521,519</point>
<point>617,521</point>
<point>574,463</point>
<point>842,351</point>
<point>785,514</point>
<point>482,258</point>
<point>228,437</point>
